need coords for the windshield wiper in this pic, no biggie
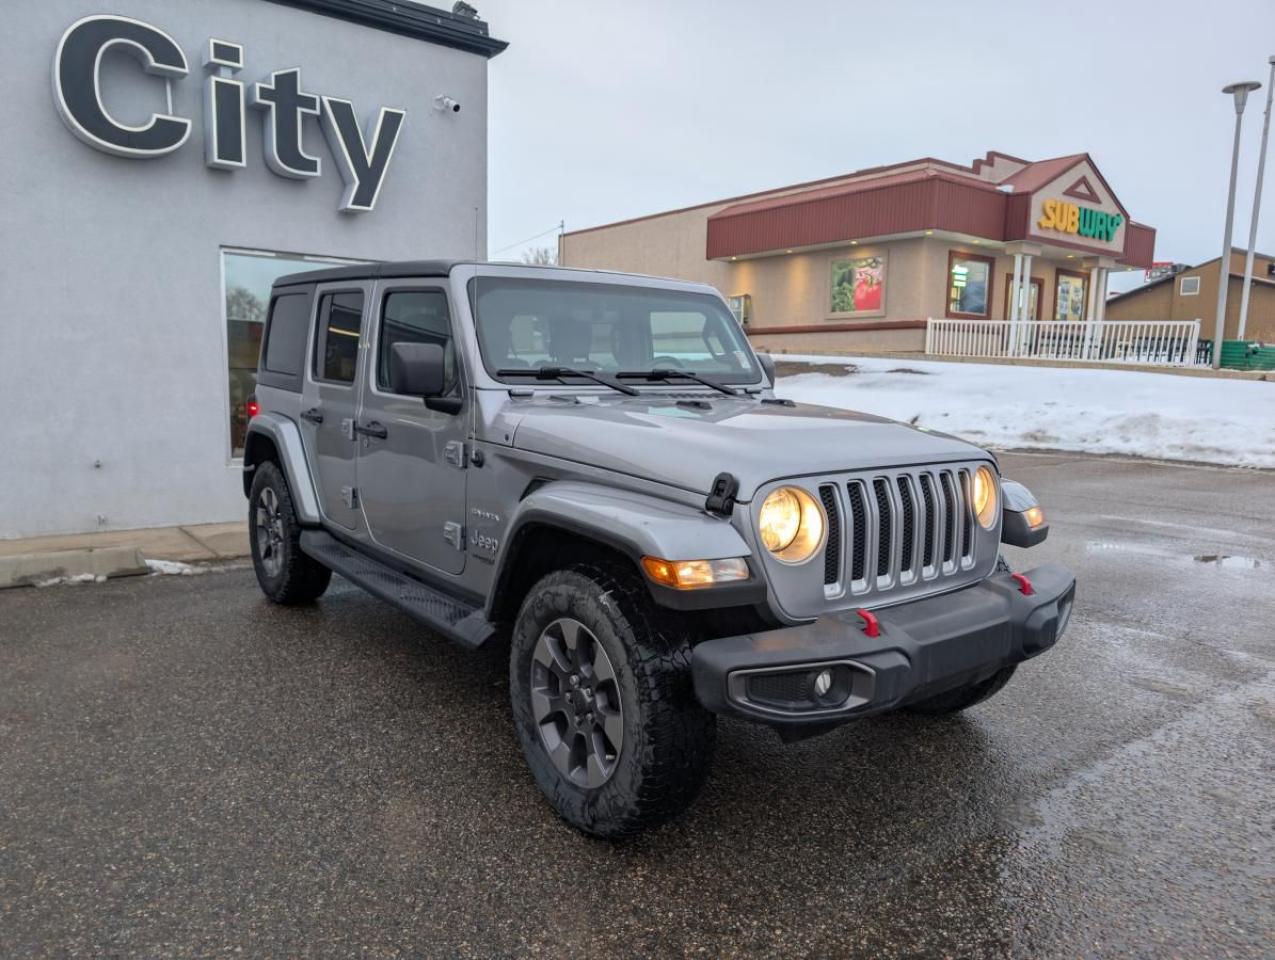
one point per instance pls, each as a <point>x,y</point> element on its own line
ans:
<point>667,374</point>
<point>558,373</point>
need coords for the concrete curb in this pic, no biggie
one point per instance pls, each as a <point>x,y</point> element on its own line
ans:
<point>27,569</point>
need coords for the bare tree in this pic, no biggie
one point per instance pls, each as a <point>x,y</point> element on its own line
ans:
<point>540,256</point>
<point>242,304</point>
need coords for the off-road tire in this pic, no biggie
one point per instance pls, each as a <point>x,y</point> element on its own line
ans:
<point>668,737</point>
<point>299,579</point>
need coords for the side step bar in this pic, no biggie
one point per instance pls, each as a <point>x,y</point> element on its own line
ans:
<point>460,622</point>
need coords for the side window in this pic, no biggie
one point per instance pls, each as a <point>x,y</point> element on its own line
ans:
<point>337,347</point>
<point>285,334</point>
<point>415,316</point>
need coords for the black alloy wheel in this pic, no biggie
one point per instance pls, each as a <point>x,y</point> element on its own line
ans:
<point>576,703</point>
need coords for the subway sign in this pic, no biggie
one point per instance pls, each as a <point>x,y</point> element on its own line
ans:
<point>1082,221</point>
<point>278,100</point>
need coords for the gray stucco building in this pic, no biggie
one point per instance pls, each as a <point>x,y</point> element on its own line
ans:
<point>162,163</point>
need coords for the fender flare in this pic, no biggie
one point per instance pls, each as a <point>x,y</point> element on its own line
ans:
<point>286,438</point>
<point>636,525</point>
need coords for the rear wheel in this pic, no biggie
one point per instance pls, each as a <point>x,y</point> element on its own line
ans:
<point>286,575</point>
<point>603,702</point>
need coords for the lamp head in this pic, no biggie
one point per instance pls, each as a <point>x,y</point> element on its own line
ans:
<point>1240,92</point>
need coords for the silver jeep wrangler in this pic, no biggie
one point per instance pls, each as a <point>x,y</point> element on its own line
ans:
<point>593,470</point>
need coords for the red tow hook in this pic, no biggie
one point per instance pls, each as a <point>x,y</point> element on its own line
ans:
<point>871,627</point>
<point>1024,585</point>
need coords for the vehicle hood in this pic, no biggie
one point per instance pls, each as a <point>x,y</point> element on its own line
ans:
<point>687,445</point>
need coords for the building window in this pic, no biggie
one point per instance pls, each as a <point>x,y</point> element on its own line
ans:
<point>1033,298</point>
<point>1189,286</point>
<point>246,279</point>
<point>858,285</point>
<point>969,285</point>
<point>1069,296</point>
<point>742,307</point>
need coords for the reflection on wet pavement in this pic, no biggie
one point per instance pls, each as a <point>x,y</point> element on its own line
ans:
<point>1227,561</point>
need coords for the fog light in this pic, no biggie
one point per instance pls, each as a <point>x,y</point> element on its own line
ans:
<point>823,682</point>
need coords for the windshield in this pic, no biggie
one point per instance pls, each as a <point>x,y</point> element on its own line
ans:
<point>606,328</point>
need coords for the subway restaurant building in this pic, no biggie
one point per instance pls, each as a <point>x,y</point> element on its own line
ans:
<point>861,261</point>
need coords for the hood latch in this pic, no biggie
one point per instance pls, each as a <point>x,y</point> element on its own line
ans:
<point>722,500</point>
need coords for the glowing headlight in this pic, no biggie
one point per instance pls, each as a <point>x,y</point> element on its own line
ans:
<point>791,524</point>
<point>985,499</point>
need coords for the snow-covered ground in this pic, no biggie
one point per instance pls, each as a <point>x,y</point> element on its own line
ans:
<point>1165,416</point>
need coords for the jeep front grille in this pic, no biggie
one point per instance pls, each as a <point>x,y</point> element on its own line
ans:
<point>859,530</point>
<point>896,529</point>
<point>832,553</point>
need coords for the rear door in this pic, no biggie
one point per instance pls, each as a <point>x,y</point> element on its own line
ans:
<point>412,460</point>
<point>330,401</point>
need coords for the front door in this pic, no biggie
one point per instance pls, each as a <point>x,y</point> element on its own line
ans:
<point>412,461</point>
<point>1032,306</point>
<point>330,400</point>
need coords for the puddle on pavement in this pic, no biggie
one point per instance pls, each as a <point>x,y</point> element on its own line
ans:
<point>1226,561</point>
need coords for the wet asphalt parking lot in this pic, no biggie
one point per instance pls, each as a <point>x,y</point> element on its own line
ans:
<point>188,771</point>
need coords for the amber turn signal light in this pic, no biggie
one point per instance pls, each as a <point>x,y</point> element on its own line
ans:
<point>692,574</point>
<point>1035,516</point>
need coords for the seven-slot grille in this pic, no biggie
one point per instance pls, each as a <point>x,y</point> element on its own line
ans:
<point>887,531</point>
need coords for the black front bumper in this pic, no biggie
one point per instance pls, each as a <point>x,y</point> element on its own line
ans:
<point>924,648</point>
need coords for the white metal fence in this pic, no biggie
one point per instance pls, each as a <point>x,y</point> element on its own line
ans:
<point>1166,343</point>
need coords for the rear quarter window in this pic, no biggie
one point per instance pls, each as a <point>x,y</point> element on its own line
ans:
<point>286,331</point>
<point>286,334</point>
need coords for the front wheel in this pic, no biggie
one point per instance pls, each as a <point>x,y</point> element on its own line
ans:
<point>603,702</point>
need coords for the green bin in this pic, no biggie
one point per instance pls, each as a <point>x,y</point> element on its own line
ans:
<point>1247,355</point>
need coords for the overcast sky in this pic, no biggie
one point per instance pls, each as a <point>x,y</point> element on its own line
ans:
<point>602,110</point>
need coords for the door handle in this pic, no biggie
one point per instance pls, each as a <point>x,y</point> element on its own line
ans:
<point>372,429</point>
<point>314,415</point>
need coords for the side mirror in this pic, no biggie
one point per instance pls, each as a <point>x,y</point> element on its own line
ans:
<point>419,370</point>
<point>1022,521</point>
<point>416,369</point>
<point>767,366</point>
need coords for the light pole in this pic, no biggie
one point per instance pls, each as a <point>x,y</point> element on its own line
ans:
<point>1240,92</point>
<point>1257,205</point>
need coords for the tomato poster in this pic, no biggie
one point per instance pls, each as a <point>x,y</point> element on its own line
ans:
<point>858,286</point>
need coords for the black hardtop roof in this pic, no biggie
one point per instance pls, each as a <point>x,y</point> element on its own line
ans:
<point>371,271</point>
<point>442,268</point>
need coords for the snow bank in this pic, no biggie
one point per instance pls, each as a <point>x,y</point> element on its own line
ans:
<point>72,580</point>
<point>172,568</point>
<point>1129,412</point>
